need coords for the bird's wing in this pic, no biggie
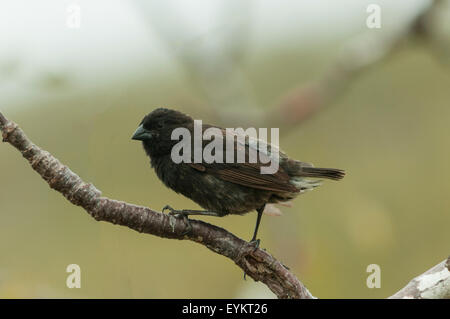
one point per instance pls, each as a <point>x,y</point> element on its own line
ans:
<point>249,174</point>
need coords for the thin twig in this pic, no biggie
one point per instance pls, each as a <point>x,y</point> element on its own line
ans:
<point>357,55</point>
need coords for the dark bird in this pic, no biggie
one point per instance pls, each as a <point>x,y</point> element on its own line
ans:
<point>223,188</point>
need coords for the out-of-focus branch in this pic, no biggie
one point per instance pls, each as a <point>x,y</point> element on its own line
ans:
<point>256,263</point>
<point>212,63</point>
<point>358,55</point>
<point>433,284</point>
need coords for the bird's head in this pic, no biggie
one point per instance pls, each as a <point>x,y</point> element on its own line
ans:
<point>156,128</point>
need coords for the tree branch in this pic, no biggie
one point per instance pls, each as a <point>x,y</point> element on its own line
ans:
<point>433,284</point>
<point>256,263</point>
<point>357,55</point>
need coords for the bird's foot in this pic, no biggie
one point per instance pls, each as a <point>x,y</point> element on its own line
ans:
<point>255,243</point>
<point>179,213</point>
<point>171,210</point>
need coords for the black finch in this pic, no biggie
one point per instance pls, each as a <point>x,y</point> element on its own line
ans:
<point>224,188</point>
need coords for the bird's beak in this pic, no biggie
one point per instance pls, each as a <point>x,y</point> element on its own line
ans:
<point>141,134</point>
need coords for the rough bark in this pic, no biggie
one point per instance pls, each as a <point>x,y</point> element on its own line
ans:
<point>433,284</point>
<point>256,263</point>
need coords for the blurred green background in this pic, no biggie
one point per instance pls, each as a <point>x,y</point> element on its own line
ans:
<point>389,130</point>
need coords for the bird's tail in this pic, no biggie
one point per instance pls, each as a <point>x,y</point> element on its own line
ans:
<point>330,173</point>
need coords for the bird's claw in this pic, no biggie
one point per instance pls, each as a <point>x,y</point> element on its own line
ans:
<point>170,209</point>
<point>255,243</point>
<point>179,213</point>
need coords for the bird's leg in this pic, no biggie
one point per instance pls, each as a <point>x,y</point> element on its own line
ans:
<point>186,212</point>
<point>255,241</point>
<point>258,221</point>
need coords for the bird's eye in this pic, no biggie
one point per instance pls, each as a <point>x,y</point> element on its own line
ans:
<point>160,125</point>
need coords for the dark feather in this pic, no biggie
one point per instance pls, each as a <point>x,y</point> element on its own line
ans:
<point>225,188</point>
